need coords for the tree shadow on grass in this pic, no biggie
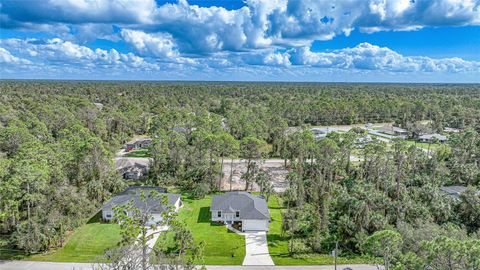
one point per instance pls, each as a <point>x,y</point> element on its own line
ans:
<point>97,218</point>
<point>204,215</point>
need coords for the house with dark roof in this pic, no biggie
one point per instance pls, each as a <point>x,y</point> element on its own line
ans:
<point>250,212</point>
<point>138,144</point>
<point>133,168</point>
<point>153,202</point>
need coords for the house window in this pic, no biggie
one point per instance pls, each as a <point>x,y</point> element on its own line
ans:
<point>237,214</point>
<point>109,215</point>
<point>219,214</point>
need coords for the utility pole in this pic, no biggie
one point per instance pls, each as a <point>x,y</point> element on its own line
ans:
<point>336,253</point>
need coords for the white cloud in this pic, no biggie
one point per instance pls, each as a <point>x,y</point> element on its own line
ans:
<point>159,45</point>
<point>366,56</point>
<point>7,58</point>
<point>180,28</point>
<point>58,52</point>
<point>277,59</point>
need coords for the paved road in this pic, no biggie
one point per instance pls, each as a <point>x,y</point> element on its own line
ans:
<point>256,249</point>
<point>26,265</point>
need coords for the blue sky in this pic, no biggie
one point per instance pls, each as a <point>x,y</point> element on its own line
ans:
<point>265,40</point>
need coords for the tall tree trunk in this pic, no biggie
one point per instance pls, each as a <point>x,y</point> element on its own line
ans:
<point>231,173</point>
<point>221,174</point>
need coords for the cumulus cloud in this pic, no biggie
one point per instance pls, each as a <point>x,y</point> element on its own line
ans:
<point>158,45</point>
<point>58,52</point>
<point>17,13</point>
<point>7,58</point>
<point>269,34</point>
<point>366,56</point>
<point>258,24</point>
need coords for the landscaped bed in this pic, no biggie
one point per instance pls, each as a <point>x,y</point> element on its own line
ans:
<point>278,244</point>
<point>222,247</point>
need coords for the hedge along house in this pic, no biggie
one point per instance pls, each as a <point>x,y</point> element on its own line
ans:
<point>249,211</point>
<point>151,203</point>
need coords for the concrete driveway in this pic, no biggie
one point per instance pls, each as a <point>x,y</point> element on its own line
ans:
<point>256,249</point>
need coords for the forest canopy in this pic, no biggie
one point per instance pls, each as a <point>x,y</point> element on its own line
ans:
<point>58,139</point>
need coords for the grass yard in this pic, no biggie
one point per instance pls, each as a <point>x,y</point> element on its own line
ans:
<point>278,244</point>
<point>141,153</point>
<point>222,247</point>
<point>85,244</point>
<point>433,146</point>
<point>11,254</point>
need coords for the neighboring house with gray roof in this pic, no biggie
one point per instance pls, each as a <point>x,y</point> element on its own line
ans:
<point>152,203</point>
<point>427,138</point>
<point>250,211</point>
<point>455,191</point>
<point>394,131</point>
<point>138,144</point>
<point>133,168</point>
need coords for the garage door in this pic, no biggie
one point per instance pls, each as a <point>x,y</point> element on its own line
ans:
<point>254,225</point>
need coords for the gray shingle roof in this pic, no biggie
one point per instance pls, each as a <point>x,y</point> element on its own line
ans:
<point>140,141</point>
<point>152,203</point>
<point>431,136</point>
<point>455,191</point>
<point>249,206</point>
<point>132,163</point>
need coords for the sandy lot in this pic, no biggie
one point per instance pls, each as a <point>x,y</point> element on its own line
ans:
<point>274,167</point>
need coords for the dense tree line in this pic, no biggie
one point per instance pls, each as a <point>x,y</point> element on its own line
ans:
<point>56,150</point>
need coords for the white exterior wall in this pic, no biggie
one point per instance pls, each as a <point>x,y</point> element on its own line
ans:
<point>255,225</point>
<point>156,217</point>
<point>107,214</point>
<point>225,217</point>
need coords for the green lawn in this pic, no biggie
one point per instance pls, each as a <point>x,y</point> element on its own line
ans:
<point>278,244</point>
<point>142,153</point>
<point>433,146</point>
<point>222,247</point>
<point>85,244</point>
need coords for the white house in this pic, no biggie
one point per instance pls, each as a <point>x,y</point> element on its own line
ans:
<point>248,211</point>
<point>432,137</point>
<point>153,202</point>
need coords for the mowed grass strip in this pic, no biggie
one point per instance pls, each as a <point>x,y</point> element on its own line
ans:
<point>86,244</point>
<point>141,153</point>
<point>222,247</point>
<point>278,244</point>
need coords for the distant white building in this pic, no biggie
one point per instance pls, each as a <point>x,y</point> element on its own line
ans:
<point>321,133</point>
<point>393,131</point>
<point>451,130</point>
